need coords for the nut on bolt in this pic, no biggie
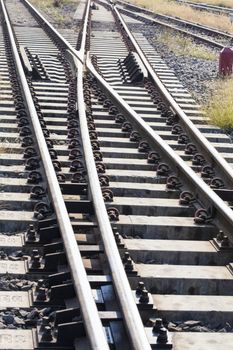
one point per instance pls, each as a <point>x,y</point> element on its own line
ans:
<point>140,288</point>
<point>31,233</point>
<point>220,236</point>
<point>157,325</point>
<point>144,298</point>
<point>117,237</point>
<point>129,265</point>
<point>36,259</point>
<point>45,322</point>
<point>162,337</point>
<point>125,257</point>
<point>40,283</point>
<point>42,294</point>
<point>225,242</point>
<point>47,334</point>
<point>222,239</point>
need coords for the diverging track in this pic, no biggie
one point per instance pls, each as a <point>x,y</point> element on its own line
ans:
<point>93,125</point>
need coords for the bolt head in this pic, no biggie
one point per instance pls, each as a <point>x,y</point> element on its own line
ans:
<point>140,288</point>
<point>144,298</point>
<point>157,325</point>
<point>162,337</point>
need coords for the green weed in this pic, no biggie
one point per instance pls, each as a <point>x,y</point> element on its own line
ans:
<point>219,108</point>
<point>183,45</point>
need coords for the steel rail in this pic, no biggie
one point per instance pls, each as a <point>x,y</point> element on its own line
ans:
<point>182,31</point>
<point>67,45</point>
<point>213,8</point>
<point>177,20</point>
<point>223,213</point>
<point>223,168</point>
<point>85,24</point>
<point>93,325</point>
<point>123,291</point>
<point>122,288</point>
<point>130,313</point>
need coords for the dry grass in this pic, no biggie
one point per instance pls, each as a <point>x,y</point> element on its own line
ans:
<point>53,3</point>
<point>55,10</point>
<point>219,108</point>
<point>184,46</point>
<point>221,22</point>
<point>6,148</point>
<point>226,3</point>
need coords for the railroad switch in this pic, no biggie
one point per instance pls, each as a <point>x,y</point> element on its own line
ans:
<point>225,61</point>
<point>133,68</point>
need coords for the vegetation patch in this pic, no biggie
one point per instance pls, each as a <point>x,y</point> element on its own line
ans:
<point>224,3</point>
<point>219,108</point>
<point>182,45</point>
<point>53,3</point>
<point>7,148</point>
<point>168,7</point>
<point>60,11</point>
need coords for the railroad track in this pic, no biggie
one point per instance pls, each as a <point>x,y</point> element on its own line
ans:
<point>200,33</point>
<point>74,138</point>
<point>208,7</point>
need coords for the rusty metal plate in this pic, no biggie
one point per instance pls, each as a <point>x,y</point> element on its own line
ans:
<point>13,267</point>
<point>11,241</point>
<point>16,339</point>
<point>15,299</point>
